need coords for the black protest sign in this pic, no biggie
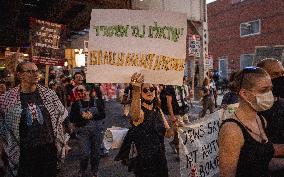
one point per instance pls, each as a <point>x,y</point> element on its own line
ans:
<point>46,42</point>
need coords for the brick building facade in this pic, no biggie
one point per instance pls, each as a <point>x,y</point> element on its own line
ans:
<point>237,27</point>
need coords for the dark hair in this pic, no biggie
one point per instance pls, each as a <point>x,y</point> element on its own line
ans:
<point>76,73</point>
<point>62,76</point>
<point>20,67</point>
<point>67,80</point>
<point>231,81</point>
<point>155,100</point>
<point>246,78</point>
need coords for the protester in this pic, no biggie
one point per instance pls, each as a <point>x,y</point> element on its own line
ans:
<point>78,79</point>
<point>187,95</point>
<point>216,79</point>
<point>2,88</point>
<point>275,115</point>
<point>244,149</point>
<point>61,90</point>
<point>147,133</point>
<point>68,89</point>
<point>213,86</point>
<point>174,106</point>
<point>276,71</point>
<point>3,160</point>
<point>232,96</point>
<point>31,125</point>
<point>53,86</point>
<point>126,99</point>
<point>278,86</point>
<point>88,114</point>
<point>208,98</point>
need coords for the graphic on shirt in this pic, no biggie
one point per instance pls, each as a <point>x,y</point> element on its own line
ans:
<point>34,114</point>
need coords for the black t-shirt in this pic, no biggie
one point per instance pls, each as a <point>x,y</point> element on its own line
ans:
<point>95,106</point>
<point>275,122</point>
<point>35,125</point>
<point>169,91</point>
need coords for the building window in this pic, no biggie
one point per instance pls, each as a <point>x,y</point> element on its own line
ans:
<point>250,28</point>
<point>223,67</point>
<point>246,60</point>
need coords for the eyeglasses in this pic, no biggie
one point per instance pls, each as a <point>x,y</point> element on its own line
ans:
<point>246,70</point>
<point>31,71</point>
<point>146,90</point>
<point>81,90</point>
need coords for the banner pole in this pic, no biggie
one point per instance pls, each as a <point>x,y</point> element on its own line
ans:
<point>46,75</point>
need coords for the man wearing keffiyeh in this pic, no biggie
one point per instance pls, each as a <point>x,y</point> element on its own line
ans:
<point>31,126</point>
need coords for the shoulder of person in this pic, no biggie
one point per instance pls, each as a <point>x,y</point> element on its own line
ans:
<point>281,101</point>
<point>47,90</point>
<point>230,132</point>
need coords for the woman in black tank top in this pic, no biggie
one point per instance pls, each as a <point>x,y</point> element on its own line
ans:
<point>148,131</point>
<point>244,149</point>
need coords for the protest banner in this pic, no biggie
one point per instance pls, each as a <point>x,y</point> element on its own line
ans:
<point>199,147</point>
<point>194,45</point>
<point>45,38</point>
<point>122,42</point>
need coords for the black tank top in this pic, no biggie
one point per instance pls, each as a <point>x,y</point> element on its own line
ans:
<point>254,156</point>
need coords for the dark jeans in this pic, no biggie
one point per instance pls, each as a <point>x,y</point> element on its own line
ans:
<point>91,137</point>
<point>39,161</point>
<point>279,173</point>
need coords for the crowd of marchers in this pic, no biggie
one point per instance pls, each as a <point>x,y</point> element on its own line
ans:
<point>36,122</point>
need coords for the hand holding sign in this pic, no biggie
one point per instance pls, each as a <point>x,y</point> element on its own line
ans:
<point>137,80</point>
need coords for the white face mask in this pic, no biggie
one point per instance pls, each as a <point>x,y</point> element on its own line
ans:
<point>263,102</point>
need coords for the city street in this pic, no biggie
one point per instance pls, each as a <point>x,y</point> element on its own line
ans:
<point>108,167</point>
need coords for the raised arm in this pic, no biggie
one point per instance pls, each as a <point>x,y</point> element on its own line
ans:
<point>136,113</point>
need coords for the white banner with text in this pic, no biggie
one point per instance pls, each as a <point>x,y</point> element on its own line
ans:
<point>122,42</point>
<point>199,147</point>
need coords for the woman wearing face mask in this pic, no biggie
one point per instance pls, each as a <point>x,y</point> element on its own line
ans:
<point>148,131</point>
<point>244,149</point>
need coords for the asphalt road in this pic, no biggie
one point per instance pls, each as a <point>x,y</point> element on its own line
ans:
<point>109,167</point>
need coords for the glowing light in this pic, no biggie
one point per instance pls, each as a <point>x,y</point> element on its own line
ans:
<point>80,60</point>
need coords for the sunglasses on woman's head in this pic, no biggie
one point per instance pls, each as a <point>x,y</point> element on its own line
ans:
<point>146,90</point>
<point>246,70</point>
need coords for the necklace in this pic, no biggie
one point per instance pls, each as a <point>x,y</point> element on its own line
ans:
<point>263,140</point>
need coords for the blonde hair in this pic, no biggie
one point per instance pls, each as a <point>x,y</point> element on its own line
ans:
<point>246,78</point>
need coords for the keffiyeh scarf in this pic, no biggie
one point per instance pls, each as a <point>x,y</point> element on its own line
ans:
<point>11,109</point>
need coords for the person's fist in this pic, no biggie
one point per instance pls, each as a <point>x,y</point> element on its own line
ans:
<point>137,79</point>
